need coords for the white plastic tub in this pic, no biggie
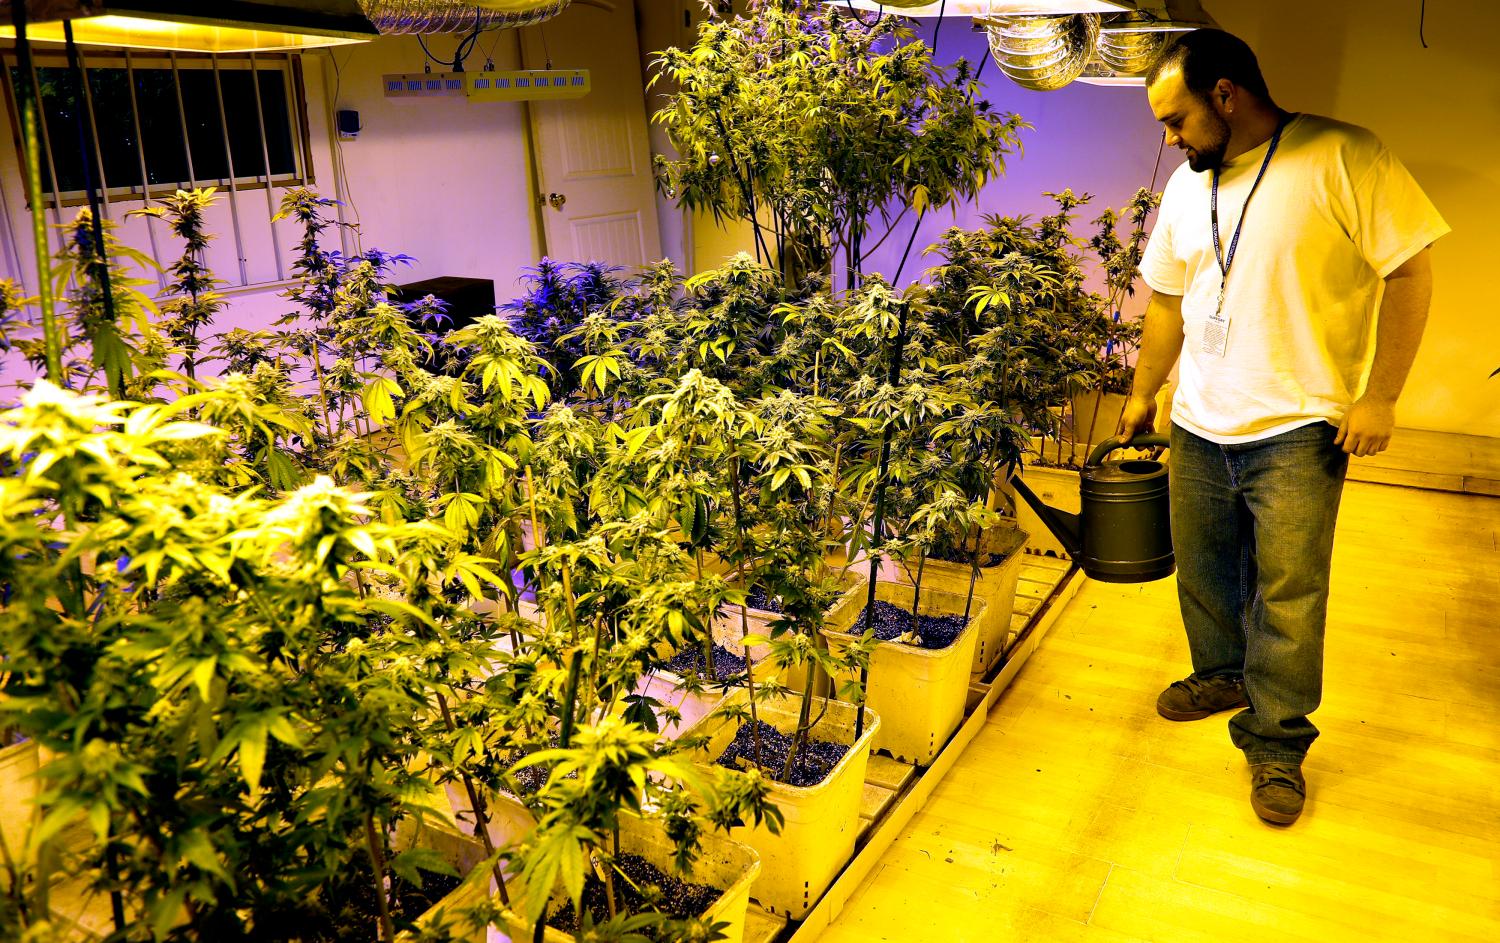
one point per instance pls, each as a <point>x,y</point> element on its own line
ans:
<point>919,693</point>
<point>722,863</point>
<point>996,585</point>
<point>821,821</point>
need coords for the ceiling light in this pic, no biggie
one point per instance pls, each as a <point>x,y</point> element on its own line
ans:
<point>988,8</point>
<point>137,33</point>
<point>1097,74</point>
<point>1126,48</point>
<point>189,26</point>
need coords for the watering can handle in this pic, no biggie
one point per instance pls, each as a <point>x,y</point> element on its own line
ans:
<point>1146,440</point>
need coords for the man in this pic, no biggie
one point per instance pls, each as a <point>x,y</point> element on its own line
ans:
<point>1274,247</point>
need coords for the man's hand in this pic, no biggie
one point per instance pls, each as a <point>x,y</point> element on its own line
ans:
<point>1367,426</point>
<point>1139,416</point>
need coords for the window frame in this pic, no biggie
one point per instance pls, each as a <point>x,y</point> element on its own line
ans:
<point>290,64</point>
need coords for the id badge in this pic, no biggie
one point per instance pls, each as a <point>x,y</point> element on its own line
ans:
<point>1216,329</point>
<point>1216,334</point>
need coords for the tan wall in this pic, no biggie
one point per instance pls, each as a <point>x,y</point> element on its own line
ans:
<point>1438,109</point>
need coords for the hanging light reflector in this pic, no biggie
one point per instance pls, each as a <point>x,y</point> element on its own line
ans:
<point>1042,53</point>
<point>1128,46</point>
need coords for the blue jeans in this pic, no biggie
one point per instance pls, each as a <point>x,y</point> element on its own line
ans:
<point>1252,528</point>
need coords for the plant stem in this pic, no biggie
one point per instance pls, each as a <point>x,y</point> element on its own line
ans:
<point>739,536</point>
<point>916,590</point>
<point>877,536</point>
<point>570,698</point>
<point>481,815</point>
<point>708,641</point>
<point>377,863</point>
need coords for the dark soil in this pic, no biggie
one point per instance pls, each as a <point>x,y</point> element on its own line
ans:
<point>727,664</point>
<point>662,894</point>
<point>815,758</point>
<point>353,914</point>
<point>759,600</point>
<point>412,902</point>
<point>530,780</point>
<point>891,622</point>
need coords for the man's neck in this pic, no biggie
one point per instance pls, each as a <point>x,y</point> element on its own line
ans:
<point>1255,129</point>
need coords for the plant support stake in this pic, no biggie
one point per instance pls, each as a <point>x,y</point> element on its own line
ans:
<point>898,346</point>
<point>30,131</point>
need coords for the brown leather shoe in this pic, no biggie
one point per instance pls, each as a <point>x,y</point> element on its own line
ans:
<point>1194,698</point>
<point>1277,791</point>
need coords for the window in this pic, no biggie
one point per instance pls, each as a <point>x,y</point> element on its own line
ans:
<point>165,120</point>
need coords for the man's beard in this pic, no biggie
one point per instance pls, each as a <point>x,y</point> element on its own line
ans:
<point>1211,156</point>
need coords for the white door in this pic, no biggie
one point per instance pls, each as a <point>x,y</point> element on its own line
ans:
<point>593,155</point>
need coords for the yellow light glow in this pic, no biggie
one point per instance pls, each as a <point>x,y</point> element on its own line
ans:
<point>139,33</point>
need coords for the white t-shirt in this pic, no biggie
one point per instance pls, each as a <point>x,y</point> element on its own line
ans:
<point>1334,215</point>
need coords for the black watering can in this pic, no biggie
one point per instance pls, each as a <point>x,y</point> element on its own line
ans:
<point>1123,533</point>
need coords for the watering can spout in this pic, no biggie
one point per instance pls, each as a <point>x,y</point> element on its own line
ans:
<point>1067,528</point>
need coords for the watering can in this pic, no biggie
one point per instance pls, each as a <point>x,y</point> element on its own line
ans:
<point>1123,533</point>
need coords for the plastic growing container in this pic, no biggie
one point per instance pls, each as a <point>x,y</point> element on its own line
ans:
<point>919,693</point>
<point>466,855</point>
<point>722,863</point>
<point>18,785</point>
<point>996,585</point>
<point>821,821</point>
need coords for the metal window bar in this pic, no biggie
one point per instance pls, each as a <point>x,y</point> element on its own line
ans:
<point>56,199</point>
<point>41,121</point>
<point>140,150</point>
<point>187,147</point>
<point>265,154</point>
<point>88,107</point>
<point>234,190</point>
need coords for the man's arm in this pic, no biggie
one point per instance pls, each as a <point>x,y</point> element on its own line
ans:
<point>1161,345</point>
<point>1367,426</point>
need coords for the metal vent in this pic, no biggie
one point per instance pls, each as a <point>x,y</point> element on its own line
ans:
<point>391,17</point>
<point>1043,53</point>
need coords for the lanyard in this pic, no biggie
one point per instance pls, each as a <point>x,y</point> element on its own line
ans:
<point>1224,259</point>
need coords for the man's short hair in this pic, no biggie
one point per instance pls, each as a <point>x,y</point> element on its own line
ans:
<point>1206,55</point>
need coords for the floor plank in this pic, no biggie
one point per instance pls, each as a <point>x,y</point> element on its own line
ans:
<point>1078,814</point>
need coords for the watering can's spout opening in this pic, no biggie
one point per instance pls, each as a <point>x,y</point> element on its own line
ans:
<point>1067,528</point>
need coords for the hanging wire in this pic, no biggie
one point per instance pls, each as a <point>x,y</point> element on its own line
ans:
<point>1422,25</point>
<point>860,20</point>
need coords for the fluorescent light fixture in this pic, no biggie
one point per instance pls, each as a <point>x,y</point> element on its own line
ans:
<point>1093,76</point>
<point>986,8</point>
<point>197,25</point>
<point>137,33</point>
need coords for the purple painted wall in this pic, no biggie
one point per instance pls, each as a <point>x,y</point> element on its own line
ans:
<point>1099,140</point>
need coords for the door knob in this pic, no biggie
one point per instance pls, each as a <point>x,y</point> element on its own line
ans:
<point>555,200</point>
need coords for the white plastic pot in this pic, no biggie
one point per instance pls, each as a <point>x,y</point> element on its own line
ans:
<point>722,863</point>
<point>996,585</point>
<point>18,791</point>
<point>919,693</point>
<point>821,821</point>
<point>1095,416</point>
<point>466,855</point>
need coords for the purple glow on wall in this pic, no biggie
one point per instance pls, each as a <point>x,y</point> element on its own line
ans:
<point>1093,139</point>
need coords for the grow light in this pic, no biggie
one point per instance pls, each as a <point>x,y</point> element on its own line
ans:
<point>1096,74</point>
<point>135,32</point>
<point>985,8</point>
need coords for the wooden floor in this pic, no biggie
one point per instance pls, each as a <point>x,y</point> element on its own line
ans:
<point>1078,814</point>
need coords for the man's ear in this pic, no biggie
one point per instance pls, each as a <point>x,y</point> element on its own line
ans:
<point>1223,95</point>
